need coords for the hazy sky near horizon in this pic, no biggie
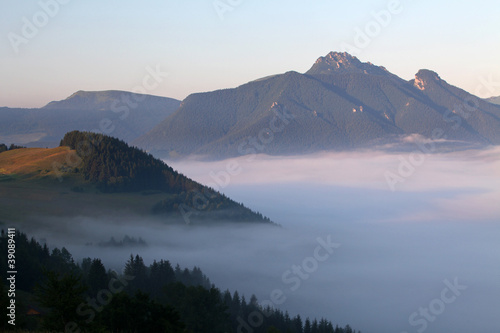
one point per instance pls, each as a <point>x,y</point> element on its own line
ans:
<point>50,51</point>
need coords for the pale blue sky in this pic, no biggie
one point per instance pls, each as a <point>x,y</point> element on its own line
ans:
<point>103,45</point>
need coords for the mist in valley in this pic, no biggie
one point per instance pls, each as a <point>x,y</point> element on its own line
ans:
<point>384,242</point>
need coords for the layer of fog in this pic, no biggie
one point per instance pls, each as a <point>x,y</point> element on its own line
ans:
<point>441,222</point>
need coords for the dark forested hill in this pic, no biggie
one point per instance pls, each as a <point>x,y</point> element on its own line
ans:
<point>96,174</point>
<point>340,103</point>
<point>122,114</point>
<point>115,167</point>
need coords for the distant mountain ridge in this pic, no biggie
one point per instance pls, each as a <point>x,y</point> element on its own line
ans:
<point>119,113</point>
<point>494,100</point>
<point>110,100</point>
<point>340,103</point>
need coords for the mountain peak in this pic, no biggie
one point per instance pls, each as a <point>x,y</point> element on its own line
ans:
<point>428,74</point>
<point>339,59</point>
<point>424,77</point>
<point>78,93</point>
<point>343,62</point>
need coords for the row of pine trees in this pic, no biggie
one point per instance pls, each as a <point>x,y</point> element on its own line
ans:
<point>143,298</point>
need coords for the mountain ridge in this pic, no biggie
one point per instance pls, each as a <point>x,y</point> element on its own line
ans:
<point>123,114</point>
<point>494,100</point>
<point>110,100</point>
<point>340,103</point>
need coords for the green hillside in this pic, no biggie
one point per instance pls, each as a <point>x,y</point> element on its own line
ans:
<point>93,175</point>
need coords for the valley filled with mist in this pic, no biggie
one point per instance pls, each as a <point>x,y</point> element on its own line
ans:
<point>395,246</point>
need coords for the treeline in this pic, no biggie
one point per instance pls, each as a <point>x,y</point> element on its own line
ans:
<point>86,297</point>
<point>116,167</point>
<point>125,242</point>
<point>33,259</point>
<point>3,147</point>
